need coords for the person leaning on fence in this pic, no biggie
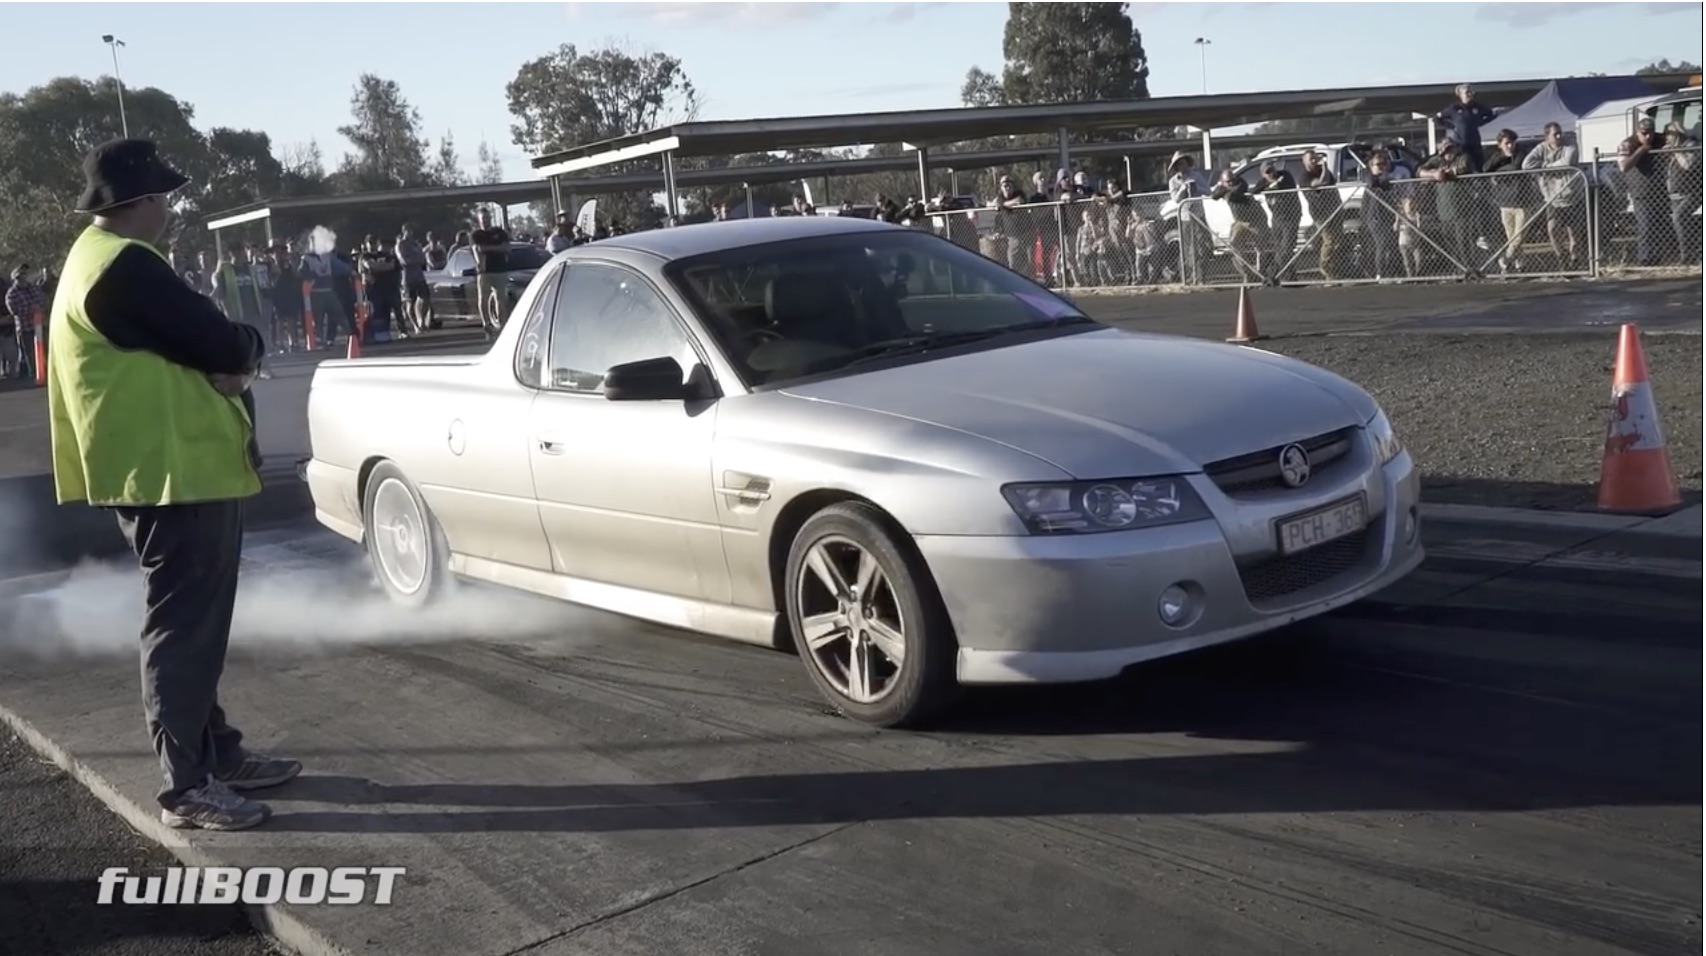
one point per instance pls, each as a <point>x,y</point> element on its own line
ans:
<point>1380,217</point>
<point>1321,192</point>
<point>1452,205</point>
<point>1286,205</point>
<point>1249,225</point>
<point>1560,193</point>
<point>1509,190</point>
<point>1682,188</point>
<point>143,380</point>
<point>1644,181</point>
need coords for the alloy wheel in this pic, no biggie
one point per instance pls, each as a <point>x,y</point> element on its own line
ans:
<point>850,620</point>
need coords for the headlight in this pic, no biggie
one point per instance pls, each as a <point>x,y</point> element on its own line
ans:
<point>1386,445</point>
<point>1084,507</point>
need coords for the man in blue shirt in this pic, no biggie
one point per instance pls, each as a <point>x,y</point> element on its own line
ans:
<point>1463,121</point>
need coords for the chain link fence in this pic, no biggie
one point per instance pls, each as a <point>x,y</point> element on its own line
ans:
<point>1649,215</point>
<point>1535,222</point>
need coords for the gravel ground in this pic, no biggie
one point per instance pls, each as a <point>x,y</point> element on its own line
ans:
<point>57,838</point>
<point>1513,420</point>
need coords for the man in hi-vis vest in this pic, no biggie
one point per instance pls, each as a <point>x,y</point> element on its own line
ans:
<point>143,385</point>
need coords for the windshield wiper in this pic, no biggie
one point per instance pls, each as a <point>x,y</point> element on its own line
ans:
<point>938,340</point>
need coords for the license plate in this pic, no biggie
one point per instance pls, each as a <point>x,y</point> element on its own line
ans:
<point>1318,527</point>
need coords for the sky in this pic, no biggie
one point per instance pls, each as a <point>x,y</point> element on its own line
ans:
<point>288,68</point>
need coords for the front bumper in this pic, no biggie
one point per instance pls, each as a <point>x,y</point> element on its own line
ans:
<point>1074,608</point>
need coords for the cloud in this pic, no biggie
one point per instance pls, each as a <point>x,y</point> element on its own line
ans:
<point>1541,14</point>
<point>725,12</point>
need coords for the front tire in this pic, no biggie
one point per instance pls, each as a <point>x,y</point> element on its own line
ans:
<point>867,620</point>
<point>404,542</point>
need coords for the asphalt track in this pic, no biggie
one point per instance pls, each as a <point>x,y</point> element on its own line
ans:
<point>1501,755</point>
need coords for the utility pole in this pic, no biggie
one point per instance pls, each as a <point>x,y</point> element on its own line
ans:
<point>114,43</point>
<point>1202,50</point>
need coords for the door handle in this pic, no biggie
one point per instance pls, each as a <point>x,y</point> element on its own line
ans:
<point>550,445</point>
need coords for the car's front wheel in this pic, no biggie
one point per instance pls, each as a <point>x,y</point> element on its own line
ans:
<point>867,620</point>
<point>404,542</point>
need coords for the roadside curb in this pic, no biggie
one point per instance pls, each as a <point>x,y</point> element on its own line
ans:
<point>284,929</point>
<point>1681,524</point>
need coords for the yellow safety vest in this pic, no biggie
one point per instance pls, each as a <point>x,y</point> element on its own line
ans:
<point>130,427</point>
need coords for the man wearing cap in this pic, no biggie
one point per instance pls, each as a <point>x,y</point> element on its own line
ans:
<point>1454,207</point>
<point>145,378</point>
<point>1643,179</point>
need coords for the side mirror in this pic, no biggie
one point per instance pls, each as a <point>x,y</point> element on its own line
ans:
<point>651,380</point>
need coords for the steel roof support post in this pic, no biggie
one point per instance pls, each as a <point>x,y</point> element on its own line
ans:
<point>953,183</point>
<point>748,188</point>
<point>267,225</point>
<point>923,172</point>
<point>1433,131</point>
<point>503,216</point>
<point>557,195</point>
<point>218,245</point>
<point>1063,150</point>
<point>670,202</point>
<point>1130,184</point>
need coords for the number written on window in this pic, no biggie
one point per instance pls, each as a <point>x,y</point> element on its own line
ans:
<point>606,317</point>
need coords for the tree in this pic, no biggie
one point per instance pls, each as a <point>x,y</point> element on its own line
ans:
<point>44,135</point>
<point>446,168</point>
<point>1072,53</point>
<point>982,88</point>
<point>566,98</point>
<point>489,168</point>
<point>1665,66</point>
<point>390,152</point>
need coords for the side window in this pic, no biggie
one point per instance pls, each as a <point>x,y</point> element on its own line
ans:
<point>1350,168</point>
<point>1691,118</point>
<point>530,365</point>
<point>461,261</point>
<point>606,316</point>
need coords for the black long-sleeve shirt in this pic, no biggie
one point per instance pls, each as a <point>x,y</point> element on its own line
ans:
<point>139,303</point>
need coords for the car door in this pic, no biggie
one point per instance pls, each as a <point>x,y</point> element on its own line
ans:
<point>450,288</point>
<point>624,487</point>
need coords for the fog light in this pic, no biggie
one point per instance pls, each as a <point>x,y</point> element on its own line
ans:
<point>1411,524</point>
<point>1174,605</point>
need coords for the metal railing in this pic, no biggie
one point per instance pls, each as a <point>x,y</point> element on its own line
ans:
<point>1544,222</point>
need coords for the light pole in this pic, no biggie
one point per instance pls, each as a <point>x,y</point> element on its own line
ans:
<point>1202,50</point>
<point>114,43</point>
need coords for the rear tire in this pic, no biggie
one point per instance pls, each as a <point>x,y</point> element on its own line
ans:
<point>404,541</point>
<point>867,620</point>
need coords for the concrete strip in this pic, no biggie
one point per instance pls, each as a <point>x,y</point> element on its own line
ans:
<point>290,932</point>
<point>1530,553</point>
<point>1681,524</point>
<point>1684,524</point>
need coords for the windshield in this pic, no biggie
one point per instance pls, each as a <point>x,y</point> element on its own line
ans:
<point>524,256</point>
<point>787,310</point>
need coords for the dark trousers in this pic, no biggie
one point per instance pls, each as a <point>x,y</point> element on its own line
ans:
<point>189,557</point>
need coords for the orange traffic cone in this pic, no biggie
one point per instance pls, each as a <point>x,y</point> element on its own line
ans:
<point>40,355</point>
<point>1635,476</point>
<point>308,318</point>
<point>1245,328</point>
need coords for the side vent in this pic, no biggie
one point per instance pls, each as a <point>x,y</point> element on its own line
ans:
<point>745,493</point>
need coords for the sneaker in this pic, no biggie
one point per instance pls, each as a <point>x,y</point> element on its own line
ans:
<point>259,771</point>
<point>213,806</point>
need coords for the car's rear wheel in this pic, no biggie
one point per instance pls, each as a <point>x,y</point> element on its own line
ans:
<point>867,620</point>
<point>404,542</point>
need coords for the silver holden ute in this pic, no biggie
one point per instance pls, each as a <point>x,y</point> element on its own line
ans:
<point>916,468</point>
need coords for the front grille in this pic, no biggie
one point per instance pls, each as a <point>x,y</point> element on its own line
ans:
<point>1260,470</point>
<point>1280,577</point>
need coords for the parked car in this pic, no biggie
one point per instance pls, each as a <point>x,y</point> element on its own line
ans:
<point>921,470</point>
<point>453,286</point>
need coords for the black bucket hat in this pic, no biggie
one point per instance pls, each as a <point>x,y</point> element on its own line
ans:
<point>124,170</point>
